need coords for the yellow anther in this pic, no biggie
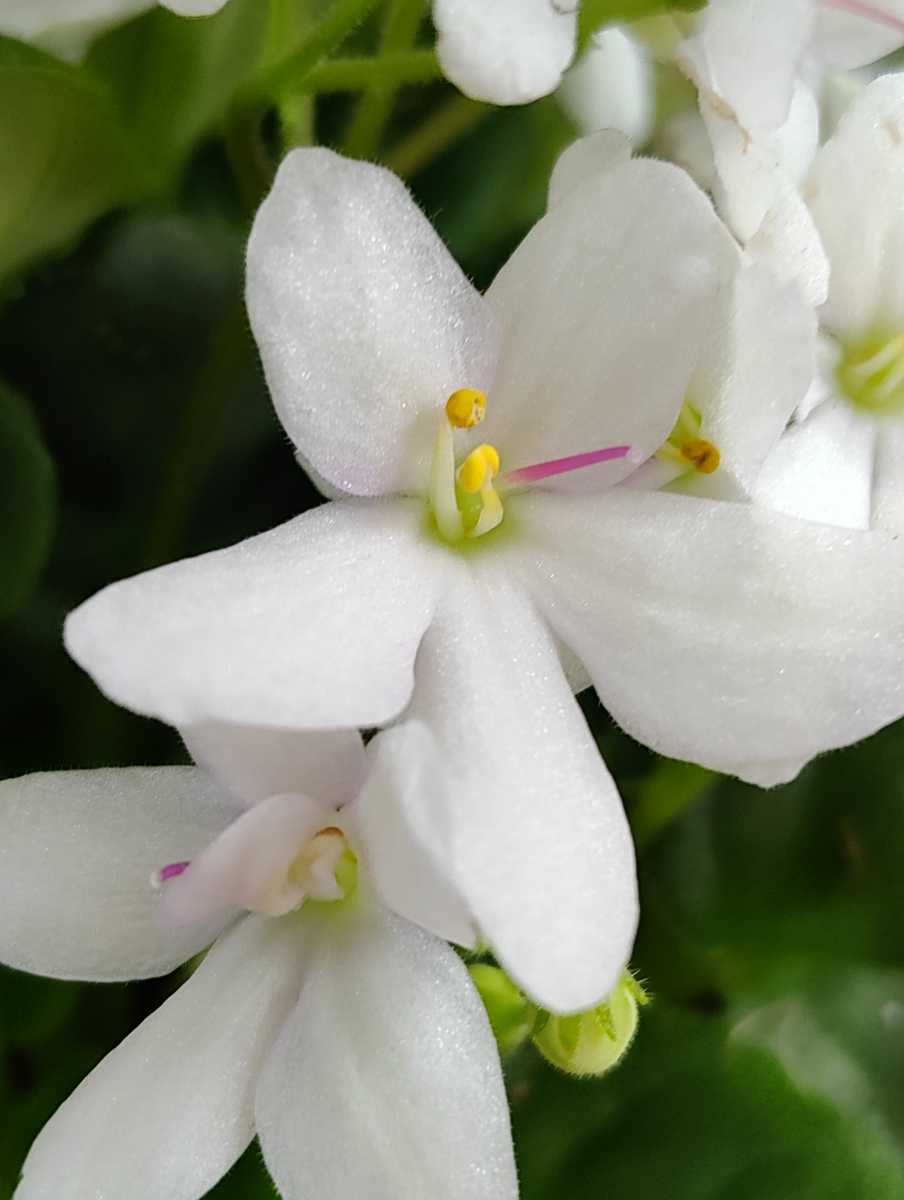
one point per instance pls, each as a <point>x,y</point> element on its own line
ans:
<point>481,466</point>
<point>701,454</point>
<point>466,408</point>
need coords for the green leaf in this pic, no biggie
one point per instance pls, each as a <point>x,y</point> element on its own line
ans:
<point>64,159</point>
<point>174,79</point>
<point>27,501</point>
<point>697,1112</point>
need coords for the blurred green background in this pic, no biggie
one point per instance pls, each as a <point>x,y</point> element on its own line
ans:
<point>135,428</point>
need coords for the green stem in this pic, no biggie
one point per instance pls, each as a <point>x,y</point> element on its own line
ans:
<point>445,126</point>
<point>353,74</point>
<point>374,108</point>
<point>324,36</point>
<point>198,438</point>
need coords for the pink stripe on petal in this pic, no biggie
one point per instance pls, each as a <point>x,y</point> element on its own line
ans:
<point>171,871</point>
<point>561,466</point>
<point>870,12</point>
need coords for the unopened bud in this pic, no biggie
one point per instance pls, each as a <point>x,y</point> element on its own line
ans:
<point>592,1042</point>
<point>510,1013</point>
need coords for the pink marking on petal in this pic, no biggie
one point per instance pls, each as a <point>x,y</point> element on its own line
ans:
<point>171,871</point>
<point>560,466</point>
<point>870,12</point>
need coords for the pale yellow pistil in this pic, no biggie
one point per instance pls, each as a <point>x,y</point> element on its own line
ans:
<point>686,448</point>
<point>464,500</point>
<point>871,374</point>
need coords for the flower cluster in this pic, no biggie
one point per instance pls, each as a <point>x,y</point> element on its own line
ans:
<point>662,455</point>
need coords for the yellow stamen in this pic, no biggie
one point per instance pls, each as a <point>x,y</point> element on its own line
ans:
<point>466,408</point>
<point>702,455</point>
<point>481,465</point>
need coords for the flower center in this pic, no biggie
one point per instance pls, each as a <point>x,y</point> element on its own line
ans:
<point>871,374</point>
<point>463,498</point>
<point>684,446</point>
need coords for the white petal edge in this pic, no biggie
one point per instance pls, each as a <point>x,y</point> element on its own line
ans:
<point>169,1111</point>
<point>365,323</point>
<point>77,853</point>
<point>584,159</point>
<point>385,1081</point>
<point>314,624</point>
<point>507,52</point>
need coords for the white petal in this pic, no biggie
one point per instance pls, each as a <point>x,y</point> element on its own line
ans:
<point>746,56</point>
<point>850,39</point>
<point>684,140</point>
<point>612,87</point>
<point>385,1082</point>
<point>521,811</point>
<point>313,624</point>
<point>769,774</point>
<point>506,52</point>
<point>252,764</point>
<point>603,310</point>
<point>365,323</point>
<point>585,159</point>
<point>822,469</point>
<point>855,196</point>
<point>77,853</point>
<point>403,848</point>
<point>246,867</point>
<point>720,633</point>
<point>193,8</point>
<point>32,19</point>
<point>753,174</point>
<point>888,494</point>
<point>168,1112</point>
<point>757,371</point>
<point>788,242</point>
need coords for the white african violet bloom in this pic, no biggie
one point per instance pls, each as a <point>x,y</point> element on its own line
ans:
<point>612,86</point>
<point>67,26</point>
<point>844,459</point>
<point>707,628</point>
<point>349,1039</point>
<point>505,51</point>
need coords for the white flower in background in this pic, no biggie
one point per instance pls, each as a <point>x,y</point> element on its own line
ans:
<point>707,627</point>
<point>612,86</point>
<point>759,66</point>
<point>67,26</point>
<point>350,1040</point>
<point>505,51</point>
<point>843,461</point>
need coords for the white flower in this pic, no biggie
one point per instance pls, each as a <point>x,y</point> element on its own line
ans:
<point>712,631</point>
<point>612,86</point>
<point>350,1040</point>
<point>505,51</point>
<point>843,461</point>
<point>67,26</point>
<point>756,64</point>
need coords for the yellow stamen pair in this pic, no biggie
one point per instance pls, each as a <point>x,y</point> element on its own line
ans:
<point>465,503</point>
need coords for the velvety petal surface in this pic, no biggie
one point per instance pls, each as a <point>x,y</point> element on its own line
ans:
<point>888,478</point>
<point>385,1082</point>
<point>845,40</point>
<point>77,853</point>
<point>313,624</point>
<point>365,323</point>
<point>253,763</point>
<point>855,196</point>
<point>586,158</point>
<point>721,633</point>
<point>823,468</point>
<point>517,806</point>
<point>168,1112</point>
<point>603,310</point>
<point>506,52</point>
<point>404,848</point>
<point>745,57</point>
<point>612,86</point>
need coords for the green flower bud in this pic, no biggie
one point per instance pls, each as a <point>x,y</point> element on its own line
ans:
<point>592,1042</point>
<point>510,1013</point>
